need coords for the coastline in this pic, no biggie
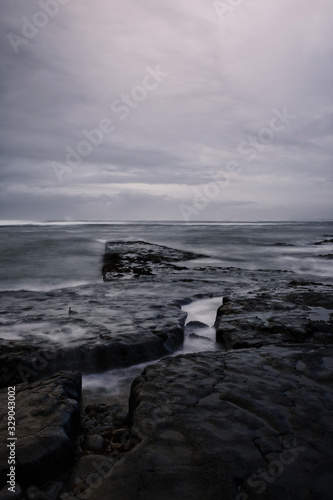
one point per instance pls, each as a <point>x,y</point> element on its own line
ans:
<point>270,312</point>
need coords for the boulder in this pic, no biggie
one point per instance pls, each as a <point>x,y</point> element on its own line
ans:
<point>47,424</point>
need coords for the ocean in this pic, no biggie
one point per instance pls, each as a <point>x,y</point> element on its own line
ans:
<point>47,256</point>
<point>45,265</point>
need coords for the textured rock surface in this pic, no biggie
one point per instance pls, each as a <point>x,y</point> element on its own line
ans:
<point>250,419</point>
<point>137,317</point>
<point>297,312</point>
<point>148,334</point>
<point>139,258</point>
<point>47,424</point>
<point>250,423</point>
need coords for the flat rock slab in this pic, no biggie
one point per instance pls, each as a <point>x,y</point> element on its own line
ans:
<point>296,312</point>
<point>47,424</point>
<point>245,424</point>
<point>140,258</point>
<point>149,334</point>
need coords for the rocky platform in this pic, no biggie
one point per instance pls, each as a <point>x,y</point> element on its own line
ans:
<point>252,423</point>
<point>297,311</point>
<point>140,258</point>
<point>119,325</point>
<point>249,419</point>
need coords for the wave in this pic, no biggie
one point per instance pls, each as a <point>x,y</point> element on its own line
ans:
<point>44,287</point>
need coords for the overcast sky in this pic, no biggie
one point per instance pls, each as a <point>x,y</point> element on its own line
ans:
<point>206,110</point>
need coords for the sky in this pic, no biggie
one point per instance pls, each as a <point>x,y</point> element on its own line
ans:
<point>181,110</point>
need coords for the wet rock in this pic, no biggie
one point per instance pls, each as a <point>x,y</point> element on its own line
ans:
<point>88,474</point>
<point>34,493</point>
<point>10,495</point>
<point>54,490</point>
<point>94,443</point>
<point>196,336</point>
<point>140,258</point>
<point>324,242</point>
<point>195,325</point>
<point>279,317</point>
<point>327,256</point>
<point>141,340</point>
<point>47,424</point>
<point>235,424</point>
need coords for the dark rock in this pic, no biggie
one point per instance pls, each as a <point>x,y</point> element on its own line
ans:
<point>239,424</point>
<point>88,474</point>
<point>328,256</point>
<point>54,490</point>
<point>196,325</point>
<point>276,318</point>
<point>196,336</point>
<point>10,495</point>
<point>149,341</point>
<point>283,244</point>
<point>34,493</point>
<point>324,242</point>
<point>140,258</point>
<point>47,424</point>
<point>94,443</point>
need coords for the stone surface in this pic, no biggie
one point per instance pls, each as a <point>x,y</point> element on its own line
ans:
<point>155,333</point>
<point>140,258</point>
<point>9,495</point>
<point>128,320</point>
<point>88,474</point>
<point>47,424</point>
<point>94,443</point>
<point>297,312</point>
<point>251,419</point>
<point>34,493</point>
<point>250,423</point>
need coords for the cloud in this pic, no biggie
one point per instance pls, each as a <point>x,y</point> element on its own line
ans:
<point>224,79</point>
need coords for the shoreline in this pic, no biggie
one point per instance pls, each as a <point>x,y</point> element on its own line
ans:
<point>268,313</point>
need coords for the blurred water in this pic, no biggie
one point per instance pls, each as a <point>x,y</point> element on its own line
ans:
<point>45,257</point>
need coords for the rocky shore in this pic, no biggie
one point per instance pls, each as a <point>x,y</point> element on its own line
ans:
<point>250,418</point>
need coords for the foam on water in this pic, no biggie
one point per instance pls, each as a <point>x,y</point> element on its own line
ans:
<point>117,382</point>
<point>203,310</point>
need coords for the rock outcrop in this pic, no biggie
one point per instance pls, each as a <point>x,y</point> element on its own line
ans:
<point>152,333</point>
<point>298,312</point>
<point>244,424</point>
<point>140,258</point>
<point>47,424</point>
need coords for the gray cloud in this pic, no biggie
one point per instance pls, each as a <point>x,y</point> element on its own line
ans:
<point>224,79</point>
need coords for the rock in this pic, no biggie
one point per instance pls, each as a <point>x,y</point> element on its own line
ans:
<point>47,424</point>
<point>196,336</point>
<point>9,495</point>
<point>195,325</point>
<point>140,258</point>
<point>94,443</point>
<point>34,493</point>
<point>88,474</point>
<point>283,244</point>
<point>327,256</point>
<point>324,242</point>
<point>251,423</point>
<point>142,341</point>
<point>54,490</point>
<point>132,321</point>
<point>279,317</point>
